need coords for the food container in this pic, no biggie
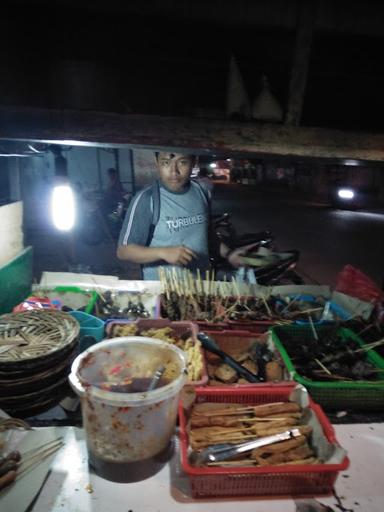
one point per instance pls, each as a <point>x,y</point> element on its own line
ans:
<point>336,395</point>
<point>71,296</point>
<point>179,328</point>
<point>332,312</point>
<point>234,342</point>
<point>300,479</point>
<point>90,325</point>
<point>128,432</point>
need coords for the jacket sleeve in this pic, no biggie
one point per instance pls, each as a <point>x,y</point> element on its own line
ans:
<point>138,219</point>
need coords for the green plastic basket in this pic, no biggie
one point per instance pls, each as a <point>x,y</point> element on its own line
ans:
<point>80,298</point>
<point>357,395</point>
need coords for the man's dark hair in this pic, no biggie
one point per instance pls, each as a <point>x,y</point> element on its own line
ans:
<point>192,157</point>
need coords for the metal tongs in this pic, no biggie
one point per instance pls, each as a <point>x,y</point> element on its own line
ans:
<point>209,344</point>
<point>219,453</point>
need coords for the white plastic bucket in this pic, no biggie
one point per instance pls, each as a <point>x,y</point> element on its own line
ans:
<point>125,432</point>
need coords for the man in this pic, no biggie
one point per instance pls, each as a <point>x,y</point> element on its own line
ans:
<point>180,234</point>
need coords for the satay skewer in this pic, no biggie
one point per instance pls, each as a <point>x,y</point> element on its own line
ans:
<point>250,419</point>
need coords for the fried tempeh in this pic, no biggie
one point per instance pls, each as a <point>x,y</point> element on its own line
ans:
<point>299,453</point>
<point>270,431</point>
<point>281,447</point>
<point>261,427</point>
<point>277,408</point>
<point>222,421</point>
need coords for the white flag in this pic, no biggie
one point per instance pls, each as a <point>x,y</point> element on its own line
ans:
<point>237,98</point>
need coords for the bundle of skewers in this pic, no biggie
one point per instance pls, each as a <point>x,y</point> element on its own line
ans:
<point>14,465</point>
<point>189,297</point>
<point>186,296</point>
<point>211,425</point>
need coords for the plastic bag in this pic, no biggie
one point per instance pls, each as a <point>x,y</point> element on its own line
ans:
<point>355,283</point>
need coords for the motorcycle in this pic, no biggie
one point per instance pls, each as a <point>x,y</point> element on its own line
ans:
<point>100,219</point>
<point>267,266</point>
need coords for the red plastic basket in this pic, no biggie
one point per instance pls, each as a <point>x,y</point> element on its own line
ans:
<point>300,480</point>
<point>179,328</point>
<point>229,341</point>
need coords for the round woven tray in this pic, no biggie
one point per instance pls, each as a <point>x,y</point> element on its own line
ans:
<point>35,336</point>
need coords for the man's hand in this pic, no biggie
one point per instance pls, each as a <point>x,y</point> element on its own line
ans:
<point>178,255</point>
<point>235,257</point>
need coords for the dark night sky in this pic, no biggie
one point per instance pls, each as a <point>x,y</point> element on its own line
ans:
<point>165,65</point>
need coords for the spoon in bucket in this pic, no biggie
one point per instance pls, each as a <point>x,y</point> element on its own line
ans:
<point>156,378</point>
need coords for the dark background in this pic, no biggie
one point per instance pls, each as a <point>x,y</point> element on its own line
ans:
<point>172,57</point>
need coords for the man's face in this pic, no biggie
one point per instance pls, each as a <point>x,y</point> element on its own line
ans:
<point>175,170</point>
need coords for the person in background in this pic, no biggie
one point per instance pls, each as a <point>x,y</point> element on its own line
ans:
<point>115,191</point>
<point>180,235</point>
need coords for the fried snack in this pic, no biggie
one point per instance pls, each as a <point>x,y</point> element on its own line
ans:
<point>239,355</point>
<point>226,374</point>
<point>208,408</point>
<point>272,427</point>
<point>300,452</point>
<point>125,330</point>
<point>276,408</point>
<point>251,366</point>
<point>310,460</point>
<point>213,423</point>
<point>283,446</point>
<point>164,334</point>
<point>167,334</point>
<point>273,371</point>
<point>194,359</point>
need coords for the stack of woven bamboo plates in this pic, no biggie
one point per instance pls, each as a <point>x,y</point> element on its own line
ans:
<point>37,348</point>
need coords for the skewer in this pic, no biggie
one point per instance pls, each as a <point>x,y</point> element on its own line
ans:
<point>290,304</point>
<point>262,419</point>
<point>366,328</point>
<point>44,446</point>
<point>220,438</point>
<point>266,306</point>
<point>306,311</point>
<point>315,335</point>
<point>370,346</point>
<point>40,458</point>
<point>41,450</point>
<point>323,367</point>
<point>236,289</point>
<point>199,282</point>
<point>224,463</point>
<point>234,410</point>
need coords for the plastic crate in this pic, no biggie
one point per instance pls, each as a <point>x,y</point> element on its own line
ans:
<point>303,480</point>
<point>229,341</point>
<point>359,395</point>
<point>179,328</point>
<point>339,313</point>
<point>71,296</point>
<point>90,325</point>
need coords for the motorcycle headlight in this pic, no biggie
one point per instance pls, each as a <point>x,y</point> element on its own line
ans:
<point>346,193</point>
